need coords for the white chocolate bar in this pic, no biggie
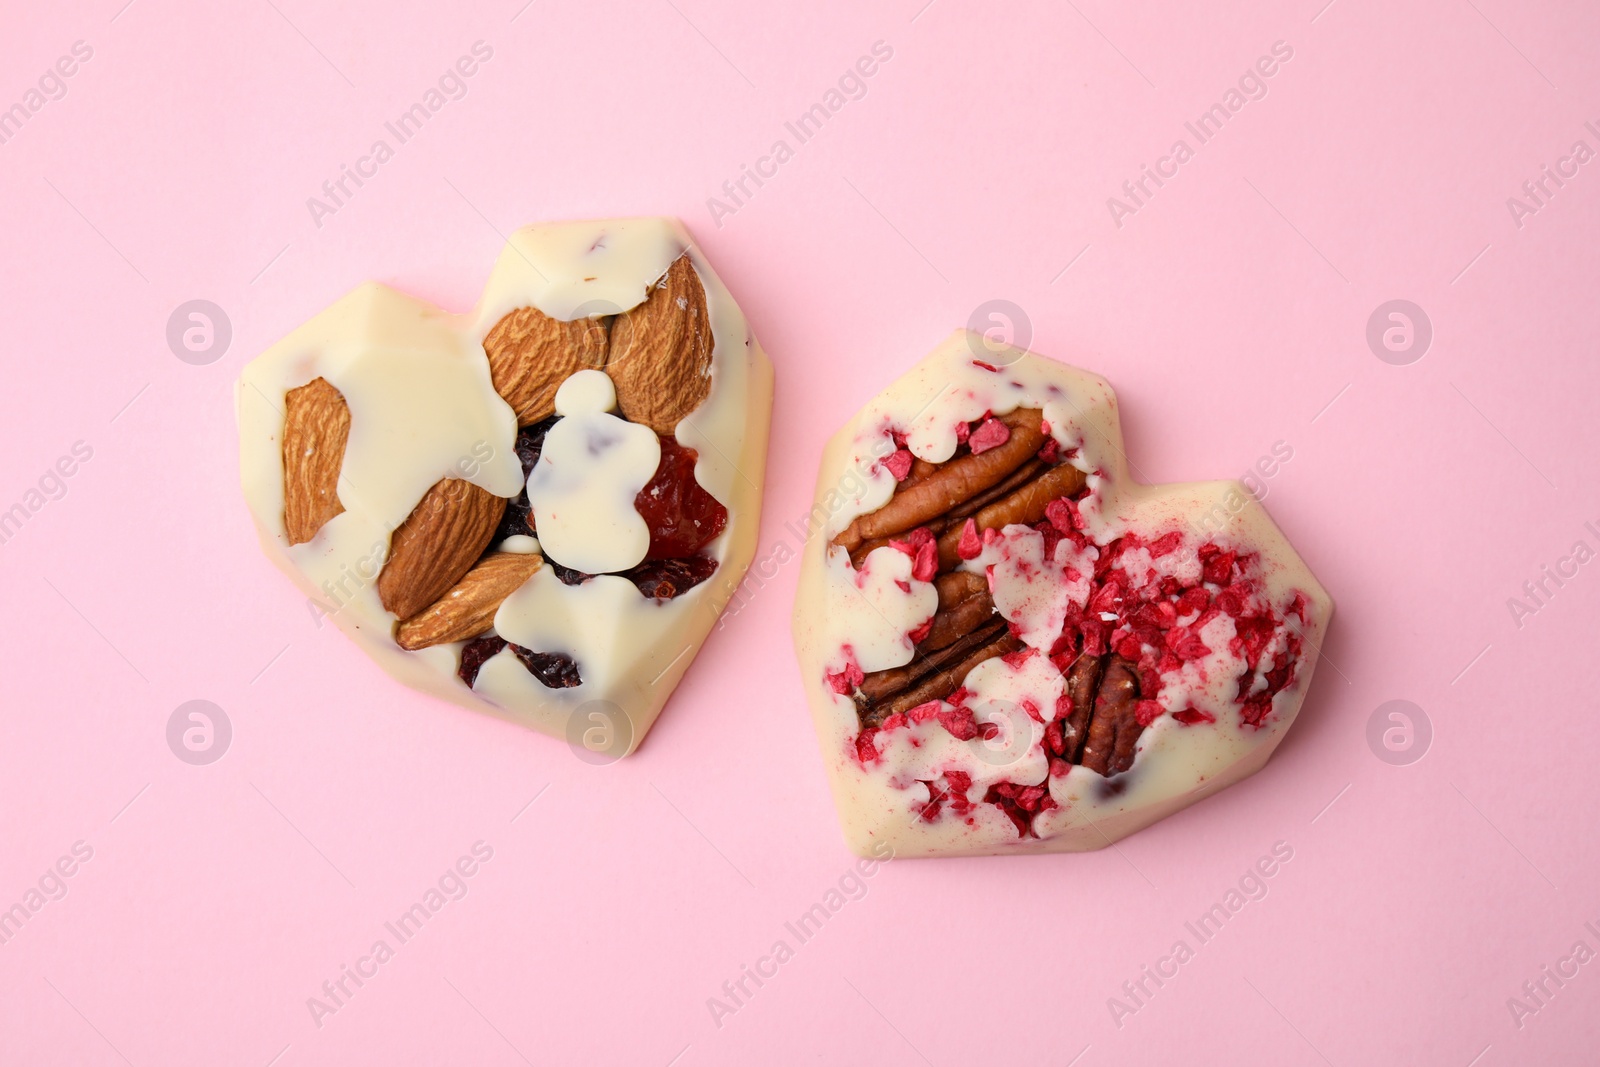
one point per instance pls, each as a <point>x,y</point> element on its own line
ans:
<point>913,782</point>
<point>423,408</point>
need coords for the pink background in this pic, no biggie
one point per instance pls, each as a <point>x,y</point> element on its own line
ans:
<point>1230,312</point>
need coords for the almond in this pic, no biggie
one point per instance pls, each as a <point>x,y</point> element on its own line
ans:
<point>316,426</point>
<point>660,357</point>
<point>531,354</point>
<point>439,541</point>
<point>467,610</point>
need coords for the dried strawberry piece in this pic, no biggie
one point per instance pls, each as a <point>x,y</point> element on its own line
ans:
<point>1050,451</point>
<point>1149,677</point>
<point>1016,659</point>
<point>925,564</point>
<point>959,781</point>
<point>1147,711</point>
<point>1216,568</point>
<point>1256,709</point>
<point>475,653</point>
<point>1152,618</point>
<point>1108,598</point>
<point>1028,799</point>
<point>683,517</point>
<point>991,434</point>
<point>1193,600</point>
<point>969,547</point>
<point>1052,537</point>
<point>924,712</point>
<point>895,722</point>
<point>844,682</point>
<point>960,723</point>
<point>1126,645</point>
<point>1094,636</point>
<point>1251,635</point>
<point>1003,796</point>
<point>963,432</point>
<point>553,669</point>
<point>898,464</point>
<point>866,751</point>
<point>1059,768</point>
<point>663,579</point>
<point>1059,512</point>
<point>1234,599</point>
<point>1166,545</point>
<point>1186,644</point>
<point>986,366</point>
<point>1193,716</point>
<point>920,634</point>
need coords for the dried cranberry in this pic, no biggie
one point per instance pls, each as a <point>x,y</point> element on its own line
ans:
<point>518,518</point>
<point>554,670</point>
<point>683,517</point>
<point>663,579</point>
<point>475,654</point>
<point>567,575</point>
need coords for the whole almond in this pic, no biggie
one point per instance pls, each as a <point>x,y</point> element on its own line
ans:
<point>439,541</point>
<point>467,610</point>
<point>316,426</point>
<point>531,354</point>
<point>660,357</point>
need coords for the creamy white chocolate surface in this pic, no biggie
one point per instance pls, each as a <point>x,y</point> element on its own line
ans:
<point>423,407</point>
<point>890,797</point>
<point>582,488</point>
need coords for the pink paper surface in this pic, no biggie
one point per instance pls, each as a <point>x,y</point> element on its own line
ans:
<point>1230,309</point>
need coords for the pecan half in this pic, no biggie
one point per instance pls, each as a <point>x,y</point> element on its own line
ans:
<point>1026,505</point>
<point>961,616</point>
<point>932,677</point>
<point>952,484</point>
<point>1083,682</point>
<point>1114,728</point>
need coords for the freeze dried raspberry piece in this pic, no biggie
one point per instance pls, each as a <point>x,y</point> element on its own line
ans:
<point>991,434</point>
<point>898,464</point>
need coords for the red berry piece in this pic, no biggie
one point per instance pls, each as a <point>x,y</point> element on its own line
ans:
<point>683,517</point>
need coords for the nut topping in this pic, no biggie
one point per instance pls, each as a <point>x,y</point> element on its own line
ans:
<point>316,427</point>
